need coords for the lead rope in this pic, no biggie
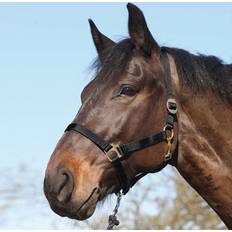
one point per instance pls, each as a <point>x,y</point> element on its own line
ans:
<point>113,221</point>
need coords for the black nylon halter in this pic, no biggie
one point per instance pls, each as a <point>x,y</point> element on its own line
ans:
<point>119,152</point>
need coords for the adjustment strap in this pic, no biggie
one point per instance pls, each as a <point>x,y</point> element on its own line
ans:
<point>143,143</point>
<point>103,145</point>
<point>170,121</point>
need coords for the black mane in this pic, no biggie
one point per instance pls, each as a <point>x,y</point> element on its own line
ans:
<point>198,72</point>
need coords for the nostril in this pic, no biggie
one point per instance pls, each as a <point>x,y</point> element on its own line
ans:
<point>60,185</point>
<point>64,180</point>
<point>64,190</point>
<point>58,182</point>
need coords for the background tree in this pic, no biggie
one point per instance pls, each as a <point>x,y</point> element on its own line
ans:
<point>177,206</point>
<point>159,201</point>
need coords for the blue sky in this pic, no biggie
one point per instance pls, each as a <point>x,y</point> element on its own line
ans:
<point>46,49</point>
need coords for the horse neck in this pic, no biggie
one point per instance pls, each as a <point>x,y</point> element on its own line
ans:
<point>205,145</point>
<point>205,148</point>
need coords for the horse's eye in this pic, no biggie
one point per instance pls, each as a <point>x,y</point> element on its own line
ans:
<point>128,91</point>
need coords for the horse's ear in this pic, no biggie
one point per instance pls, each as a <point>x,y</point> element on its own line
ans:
<point>101,42</point>
<point>139,32</point>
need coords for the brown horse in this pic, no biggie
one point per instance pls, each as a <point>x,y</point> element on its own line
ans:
<point>125,102</point>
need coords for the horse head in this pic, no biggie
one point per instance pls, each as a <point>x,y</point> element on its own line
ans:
<point>126,101</point>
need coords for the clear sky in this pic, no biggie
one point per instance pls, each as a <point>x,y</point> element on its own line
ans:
<point>46,49</point>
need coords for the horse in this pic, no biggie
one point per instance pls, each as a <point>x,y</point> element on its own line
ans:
<point>147,107</point>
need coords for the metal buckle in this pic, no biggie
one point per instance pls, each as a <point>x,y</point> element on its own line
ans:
<point>169,136</point>
<point>113,154</point>
<point>171,106</point>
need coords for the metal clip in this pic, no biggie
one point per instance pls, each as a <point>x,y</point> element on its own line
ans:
<point>168,155</point>
<point>169,137</point>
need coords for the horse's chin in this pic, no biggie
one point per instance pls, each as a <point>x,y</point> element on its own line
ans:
<point>85,213</point>
<point>80,212</point>
<point>74,209</point>
<point>90,206</point>
<point>73,212</point>
<point>86,210</point>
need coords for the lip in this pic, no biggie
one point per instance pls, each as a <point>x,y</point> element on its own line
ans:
<point>86,209</point>
<point>88,206</point>
<point>87,200</point>
<point>82,212</point>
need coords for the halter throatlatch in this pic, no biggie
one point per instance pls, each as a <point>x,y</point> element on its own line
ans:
<point>115,153</point>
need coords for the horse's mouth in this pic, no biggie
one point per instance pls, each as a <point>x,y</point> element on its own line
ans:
<point>88,207</point>
<point>74,211</point>
<point>84,210</point>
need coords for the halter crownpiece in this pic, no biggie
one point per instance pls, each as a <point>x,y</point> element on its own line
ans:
<point>115,153</point>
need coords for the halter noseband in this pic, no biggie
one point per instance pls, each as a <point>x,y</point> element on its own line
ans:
<point>118,152</point>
